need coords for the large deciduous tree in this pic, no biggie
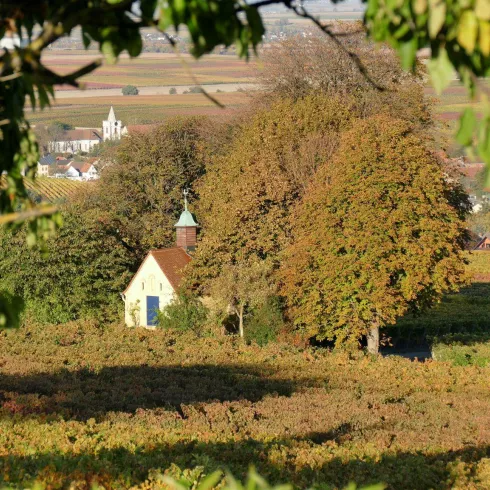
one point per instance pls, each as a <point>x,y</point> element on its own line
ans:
<point>246,193</point>
<point>300,66</point>
<point>377,234</point>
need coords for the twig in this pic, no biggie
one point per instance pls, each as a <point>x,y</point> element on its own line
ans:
<point>22,216</point>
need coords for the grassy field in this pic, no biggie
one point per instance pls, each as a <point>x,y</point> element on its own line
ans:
<point>151,69</point>
<point>85,404</point>
<point>143,109</point>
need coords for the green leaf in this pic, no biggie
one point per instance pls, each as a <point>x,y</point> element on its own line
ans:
<point>437,16</point>
<point>468,31</point>
<point>484,140</point>
<point>441,71</point>
<point>210,481</point>
<point>484,40</point>
<point>482,9</point>
<point>148,8</point>
<point>10,309</point>
<point>419,6</point>
<point>467,124</point>
<point>255,25</point>
<point>134,45</point>
<point>108,50</point>
<point>408,51</point>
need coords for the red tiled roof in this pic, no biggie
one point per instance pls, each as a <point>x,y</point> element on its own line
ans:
<point>171,262</point>
<point>80,134</point>
<point>82,167</point>
<point>140,128</point>
<point>471,169</point>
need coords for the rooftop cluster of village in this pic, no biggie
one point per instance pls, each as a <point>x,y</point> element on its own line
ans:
<point>58,161</point>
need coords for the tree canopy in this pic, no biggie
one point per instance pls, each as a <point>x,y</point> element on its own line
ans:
<point>247,191</point>
<point>378,233</point>
<point>130,90</point>
<point>79,273</point>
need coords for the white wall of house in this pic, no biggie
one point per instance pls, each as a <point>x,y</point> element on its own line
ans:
<point>72,146</point>
<point>72,173</point>
<point>148,281</point>
<point>90,174</point>
<point>42,170</point>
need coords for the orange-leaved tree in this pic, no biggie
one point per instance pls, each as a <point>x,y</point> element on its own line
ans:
<point>379,233</point>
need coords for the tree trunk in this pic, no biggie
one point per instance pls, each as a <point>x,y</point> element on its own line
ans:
<point>373,339</point>
<point>240,320</point>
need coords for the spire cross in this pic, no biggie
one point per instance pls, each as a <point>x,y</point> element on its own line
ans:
<point>185,192</point>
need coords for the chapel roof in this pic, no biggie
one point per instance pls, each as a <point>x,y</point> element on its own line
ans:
<point>171,262</point>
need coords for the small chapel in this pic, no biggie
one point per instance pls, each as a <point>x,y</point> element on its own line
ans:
<point>160,274</point>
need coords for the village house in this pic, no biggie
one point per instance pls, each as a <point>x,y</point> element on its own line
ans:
<point>44,164</point>
<point>159,276</point>
<point>49,166</point>
<point>484,243</point>
<point>86,170</point>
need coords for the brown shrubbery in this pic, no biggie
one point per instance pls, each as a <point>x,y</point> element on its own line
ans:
<point>91,403</point>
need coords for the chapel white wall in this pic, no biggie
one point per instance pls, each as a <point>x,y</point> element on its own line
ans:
<point>155,284</point>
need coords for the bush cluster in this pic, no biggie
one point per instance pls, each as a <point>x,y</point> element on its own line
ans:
<point>265,323</point>
<point>86,403</point>
<point>130,90</point>
<point>184,313</point>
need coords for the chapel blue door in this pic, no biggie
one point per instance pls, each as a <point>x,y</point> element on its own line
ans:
<point>152,305</point>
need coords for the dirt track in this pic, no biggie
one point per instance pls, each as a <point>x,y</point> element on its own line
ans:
<point>161,90</point>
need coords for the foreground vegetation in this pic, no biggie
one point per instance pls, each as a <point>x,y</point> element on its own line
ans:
<point>91,403</point>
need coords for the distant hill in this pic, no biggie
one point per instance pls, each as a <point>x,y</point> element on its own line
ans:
<point>49,189</point>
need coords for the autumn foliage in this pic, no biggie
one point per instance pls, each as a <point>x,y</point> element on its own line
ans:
<point>375,236</point>
<point>247,192</point>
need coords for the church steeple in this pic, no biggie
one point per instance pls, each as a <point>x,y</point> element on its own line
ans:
<point>111,127</point>
<point>112,116</point>
<point>186,228</point>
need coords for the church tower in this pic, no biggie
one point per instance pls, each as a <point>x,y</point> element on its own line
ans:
<point>186,228</point>
<point>111,127</point>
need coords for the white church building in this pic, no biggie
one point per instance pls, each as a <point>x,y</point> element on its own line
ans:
<point>84,139</point>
